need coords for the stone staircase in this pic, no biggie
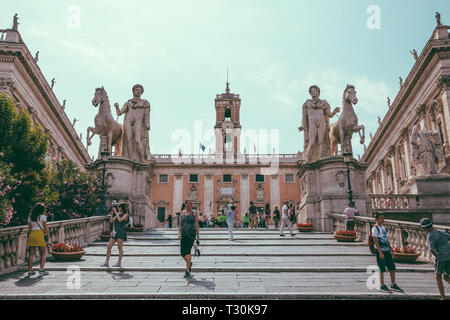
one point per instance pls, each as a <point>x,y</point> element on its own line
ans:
<point>259,264</point>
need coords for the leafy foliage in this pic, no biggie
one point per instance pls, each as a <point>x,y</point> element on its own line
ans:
<point>24,146</point>
<point>70,193</point>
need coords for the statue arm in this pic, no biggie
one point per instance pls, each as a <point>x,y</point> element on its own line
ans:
<point>304,118</point>
<point>147,115</point>
<point>124,109</point>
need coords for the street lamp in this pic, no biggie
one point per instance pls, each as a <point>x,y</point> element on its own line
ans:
<point>347,158</point>
<point>101,208</point>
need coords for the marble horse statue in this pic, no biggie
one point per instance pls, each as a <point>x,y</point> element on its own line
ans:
<point>105,125</point>
<point>341,131</point>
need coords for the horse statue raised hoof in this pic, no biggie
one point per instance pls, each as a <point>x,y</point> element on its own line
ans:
<point>341,131</point>
<point>105,125</point>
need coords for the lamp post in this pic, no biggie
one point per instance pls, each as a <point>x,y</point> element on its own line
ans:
<point>101,208</point>
<point>347,159</point>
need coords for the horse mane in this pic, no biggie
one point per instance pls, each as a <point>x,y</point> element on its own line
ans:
<point>103,92</point>
<point>349,86</point>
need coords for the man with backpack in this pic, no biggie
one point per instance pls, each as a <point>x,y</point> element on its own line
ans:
<point>438,245</point>
<point>379,244</point>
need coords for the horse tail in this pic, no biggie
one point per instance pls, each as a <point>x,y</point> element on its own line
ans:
<point>333,139</point>
<point>119,143</point>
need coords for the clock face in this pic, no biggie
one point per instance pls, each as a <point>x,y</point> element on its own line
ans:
<point>227,126</point>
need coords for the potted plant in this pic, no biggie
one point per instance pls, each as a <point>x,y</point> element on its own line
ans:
<point>64,252</point>
<point>106,235</point>
<point>305,227</point>
<point>345,235</point>
<point>405,254</point>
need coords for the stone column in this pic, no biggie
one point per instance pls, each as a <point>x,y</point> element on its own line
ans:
<point>245,193</point>
<point>383,178</point>
<point>208,195</point>
<point>177,192</point>
<point>444,85</point>
<point>395,171</point>
<point>274,192</point>
<point>405,135</point>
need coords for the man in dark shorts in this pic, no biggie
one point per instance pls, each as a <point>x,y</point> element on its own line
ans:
<point>438,245</point>
<point>253,215</point>
<point>383,251</point>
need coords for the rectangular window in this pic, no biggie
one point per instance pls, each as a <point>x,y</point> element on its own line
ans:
<point>259,178</point>
<point>163,178</point>
<point>227,178</point>
<point>289,178</point>
<point>193,178</point>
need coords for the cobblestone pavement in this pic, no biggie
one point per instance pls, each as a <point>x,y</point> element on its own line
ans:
<point>259,264</point>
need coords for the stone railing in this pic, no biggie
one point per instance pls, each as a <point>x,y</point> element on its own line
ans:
<point>395,201</point>
<point>77,231</point>
<point>400,233</point>
<point>212,158</point>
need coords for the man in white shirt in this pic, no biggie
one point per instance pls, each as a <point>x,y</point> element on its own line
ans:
<point>285,219</point>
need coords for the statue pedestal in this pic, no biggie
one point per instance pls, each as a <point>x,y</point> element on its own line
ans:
<point>324,190</point>
<point>433,195</point>
<point>129,180</point>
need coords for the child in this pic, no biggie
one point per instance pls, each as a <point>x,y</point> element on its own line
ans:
<point>440,248</point>
<point>383,251</point>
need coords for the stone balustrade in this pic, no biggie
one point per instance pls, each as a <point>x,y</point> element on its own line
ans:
<point>395,201</point>
<point>77,231</point>
<point>194,158</point>
<point>400,233</point>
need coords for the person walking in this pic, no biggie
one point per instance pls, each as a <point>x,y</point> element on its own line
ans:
<point>188,232</point>
<point>253,215</point>
<point>37,234</point>
<point>285,219</point>
<point>438,245</point>
<point>175,220</point>
<point>230,219</point>
<point>350,213</point>
<point>267,215</point>
<point>119,219</point>
<point>170,220</point>
<point>383,251</point>
<point>276,217</point>
<point>245,220</point>
<point>292,217</point>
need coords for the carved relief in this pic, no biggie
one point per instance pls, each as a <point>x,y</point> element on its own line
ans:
<point>340,178</point>
<point>7,84</point>
<point>193,192</point>
<point>259,192</point>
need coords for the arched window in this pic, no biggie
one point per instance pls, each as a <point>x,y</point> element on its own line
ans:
<point>227,114</point>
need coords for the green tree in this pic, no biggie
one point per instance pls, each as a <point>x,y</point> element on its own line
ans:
<point>24,145</point>
<point>70,193</point>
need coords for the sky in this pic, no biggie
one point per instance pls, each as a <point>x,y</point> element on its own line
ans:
<point>180,51</point>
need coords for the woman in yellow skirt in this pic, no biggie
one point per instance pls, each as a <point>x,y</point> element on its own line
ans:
<point>37,225</point>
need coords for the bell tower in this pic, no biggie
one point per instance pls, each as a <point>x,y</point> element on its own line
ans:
<point>227,128</point>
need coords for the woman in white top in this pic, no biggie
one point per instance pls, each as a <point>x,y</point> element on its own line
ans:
<point>37,225</point>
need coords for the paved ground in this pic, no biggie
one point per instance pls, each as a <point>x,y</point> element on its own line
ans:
<point>259,264</point>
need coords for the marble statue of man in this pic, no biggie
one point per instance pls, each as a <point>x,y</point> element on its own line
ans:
<point>316,125</point>
<point>135,126</point>
<point>426,150</point>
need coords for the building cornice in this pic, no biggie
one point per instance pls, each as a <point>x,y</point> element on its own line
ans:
<point>13,51</point>
<point>433,49</point>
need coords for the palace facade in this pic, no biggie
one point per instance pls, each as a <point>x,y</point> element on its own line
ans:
<point>212,180</point>
<point>423,100</point>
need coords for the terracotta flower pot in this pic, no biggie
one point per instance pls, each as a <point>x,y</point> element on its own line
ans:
<point>405,257</point>
<point>340,238</point>
<point>305,228</point>
<point>67,256</point>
